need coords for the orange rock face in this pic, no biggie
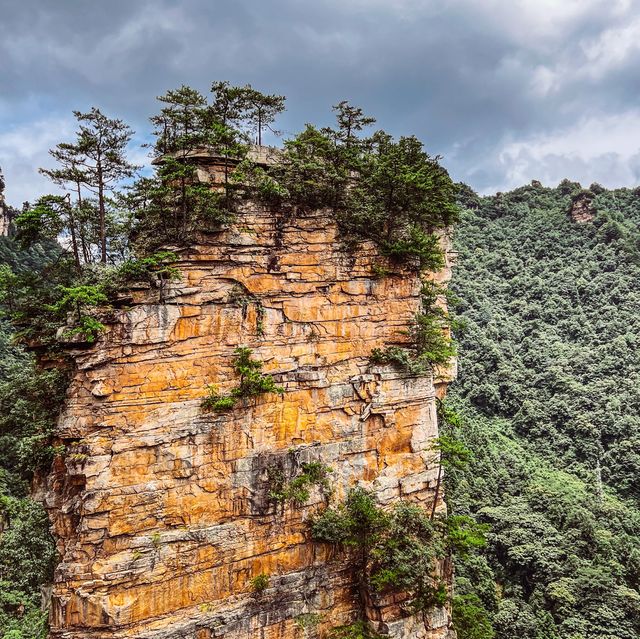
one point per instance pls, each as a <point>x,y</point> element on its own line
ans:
<point>163,511</point>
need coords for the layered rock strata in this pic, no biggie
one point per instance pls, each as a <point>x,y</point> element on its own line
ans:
<point>163,512</point>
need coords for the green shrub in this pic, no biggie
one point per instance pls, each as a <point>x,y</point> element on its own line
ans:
<point>308,620</point>
<point>417,244</point>
<point>218,403</point>
<point>399,357</point>
<point>79,300</point>
<point>332,526</point>
<point>470,618</point>
<point>379,271</point>
<point>158,265</point>
<point>87,327</point>
<point>27,559</point>
<point>464,534</point>
<point>260,582</point>
<point>391,550</point>
<point>252,382</point>
<point>431,342</point>
<point>297,490</point>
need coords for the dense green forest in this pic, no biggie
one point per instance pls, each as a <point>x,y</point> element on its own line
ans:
<point>29,402</point>
<point>548,312</point>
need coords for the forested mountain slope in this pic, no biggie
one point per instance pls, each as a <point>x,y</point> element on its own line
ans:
<point>549,393</point>
<point>29,400</point>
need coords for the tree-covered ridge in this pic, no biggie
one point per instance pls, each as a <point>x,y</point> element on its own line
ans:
<point>552,311</point>
<point>548,386</point>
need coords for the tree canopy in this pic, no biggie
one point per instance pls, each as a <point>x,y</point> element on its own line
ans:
<point>548,389</point>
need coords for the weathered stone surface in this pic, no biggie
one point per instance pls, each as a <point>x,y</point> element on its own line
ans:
<point>162,511</point>
<point>581,209</point>
<point>6,214</point>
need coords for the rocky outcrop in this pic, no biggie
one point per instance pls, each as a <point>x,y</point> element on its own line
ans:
<point>163,512</point>
<point>5,211</point>
<point>581,209</point>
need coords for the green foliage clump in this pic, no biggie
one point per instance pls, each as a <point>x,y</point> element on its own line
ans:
<point>80,300</point>
<point>45,220</point>
<point>149,268</point>
<point>392,550</point>
<point>297,489</point>
<point>218,403</point>
<point>260,582</point>
<point>418,244</point>
<point>380,189</point>
<point>26,551</point>
<point>30,399</point>
<point>464,534</point>
<point>430,341</point>
<point>308,620</point>
<point>252,383</point>
<point>470,618</point>
<point>400,357</point>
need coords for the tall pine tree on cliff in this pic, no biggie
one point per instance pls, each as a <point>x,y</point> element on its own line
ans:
<point>100,157</point>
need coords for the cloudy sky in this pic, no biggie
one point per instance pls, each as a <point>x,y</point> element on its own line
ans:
<point>506,90</point>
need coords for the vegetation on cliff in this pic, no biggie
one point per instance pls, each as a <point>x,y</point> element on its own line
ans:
<point>430,342</point>
<point>549,394</point>
<point>395,550</point>
<point>252,382</point>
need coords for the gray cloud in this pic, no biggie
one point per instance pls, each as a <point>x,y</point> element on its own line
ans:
<point>489,84</point>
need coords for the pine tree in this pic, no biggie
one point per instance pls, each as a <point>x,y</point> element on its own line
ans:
<point>262,110</point>
<point>69,176</point>
<point>99,158</point>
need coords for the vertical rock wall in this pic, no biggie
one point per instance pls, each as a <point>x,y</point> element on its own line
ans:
<point>162,511</point>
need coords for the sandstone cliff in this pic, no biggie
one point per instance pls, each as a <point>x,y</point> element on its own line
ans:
<point>162,511</point>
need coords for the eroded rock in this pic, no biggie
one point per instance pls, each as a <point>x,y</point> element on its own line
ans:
<point>166,517</point>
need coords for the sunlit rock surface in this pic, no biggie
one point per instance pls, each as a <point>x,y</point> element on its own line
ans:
<point>162,511</point>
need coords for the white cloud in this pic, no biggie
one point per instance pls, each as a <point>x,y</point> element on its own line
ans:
<point>535,24</point>
<point>24,149</point>
<point>601,148</point>
<point>612,48</point>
